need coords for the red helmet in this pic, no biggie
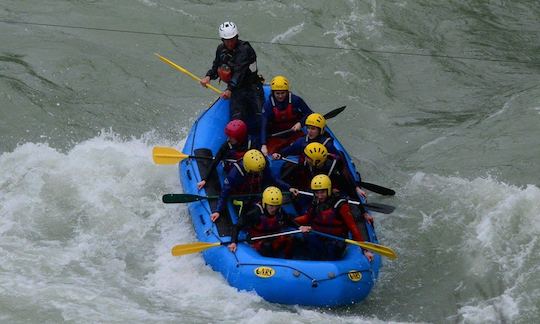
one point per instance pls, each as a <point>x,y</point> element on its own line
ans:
<point>236,129</point>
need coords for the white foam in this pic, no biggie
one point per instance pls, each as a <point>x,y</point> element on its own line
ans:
<point>496,229</point>
<point>86,238</point>
<point>290,33</point>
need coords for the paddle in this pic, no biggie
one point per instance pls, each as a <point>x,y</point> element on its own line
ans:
<point>374,247</point>
<point>187,198</point>
<point>183,70</point>
<point>376,207</point>
<point>169,155</point>
<point>328,115</point>
<point>377,189</point>
<point>189,248</point>
<point>369,186</point>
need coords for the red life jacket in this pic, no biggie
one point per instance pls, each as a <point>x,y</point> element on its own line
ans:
<point>268,224</point>
<point>251,183</point>
<point>326,219</point>
<point>283,119</point>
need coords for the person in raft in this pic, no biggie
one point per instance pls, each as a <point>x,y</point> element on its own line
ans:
<point>330,214</point>
<point>237,144</point>
<point>235,63</point>
<point>283,115</point>
<point>250,176</point>
<point>315,124</point>
<point>266,217</point>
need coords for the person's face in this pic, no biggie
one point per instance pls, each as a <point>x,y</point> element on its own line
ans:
<point>313,131</point>
<point>233,141</point>
<point>272,210</point>
<point>321,195</point>
<point>280,95</point>
<point>230,44</point>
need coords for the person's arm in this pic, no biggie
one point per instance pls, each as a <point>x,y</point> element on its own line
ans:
<point>347,180</point>
<point>212,73</point>
<point>246,220</point>
<point>348,218</point>
<point>301,107</point>
<point>233,179</point>
<point>295,148</point>
<point>219,156</point>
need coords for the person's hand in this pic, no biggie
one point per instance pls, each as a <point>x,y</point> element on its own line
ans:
<point>305,229</point>
<point>201,184</point>
<point>226,94</point>
<point>264,149</point>
<point>296,127</point>
<point>368,217</point>
<point>276,156</point>
<point>368,255</point>
<point>214,217</point>
<point>294,191</point>
<point>232,247</point>
<point>204,81</point>
<point>361,192</point>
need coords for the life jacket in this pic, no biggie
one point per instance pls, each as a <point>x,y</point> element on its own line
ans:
<point>252,182</point>
<point>325,216</point>
<point>267,224</point>
<point>283,118</point>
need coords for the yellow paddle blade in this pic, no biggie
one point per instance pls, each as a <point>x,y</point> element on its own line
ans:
<point>185,71</point>
<point>189,248</point>
<point>374,247</point>
<point>167,155</point>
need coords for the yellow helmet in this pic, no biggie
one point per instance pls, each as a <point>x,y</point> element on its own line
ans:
<point>272,196</point>
<point>279,83</point>
<point>316,120</point>
<point>254,161</point>
<point>321,182</point>
<point>316,152</point>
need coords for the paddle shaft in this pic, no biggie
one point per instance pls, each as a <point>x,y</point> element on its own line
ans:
<point>376,207</point>
<point>185,71</point>
<point>189,248</point>
<point>367,185</point>
<point>377,248</point>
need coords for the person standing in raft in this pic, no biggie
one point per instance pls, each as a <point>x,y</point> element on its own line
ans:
<point>235,64</point>
<point>250,176</point>
<point>330,214</point>
<point>237,144</point>
<point>283,112</point>
<point>266,217</point>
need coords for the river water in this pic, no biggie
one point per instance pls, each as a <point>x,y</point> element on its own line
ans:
<point>443,105</point>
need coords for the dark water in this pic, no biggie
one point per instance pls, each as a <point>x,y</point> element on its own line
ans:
<point>443,105</point>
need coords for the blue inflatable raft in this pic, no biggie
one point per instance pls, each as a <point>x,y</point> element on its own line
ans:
<point>284,281</point>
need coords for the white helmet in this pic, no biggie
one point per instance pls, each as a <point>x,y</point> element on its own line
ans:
<point>228,30</point>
